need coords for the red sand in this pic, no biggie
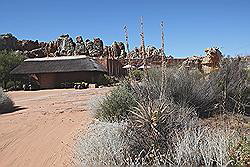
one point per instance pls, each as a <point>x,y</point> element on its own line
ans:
<point>43,133</point>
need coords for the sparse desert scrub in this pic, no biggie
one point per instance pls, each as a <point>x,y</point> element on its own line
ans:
<point>222,91</point>
<point>240,152</point>
<point>102,146</point>
<point>231,85</point>
<point>6,104</point>
<point>204,145</point>
<point>178,135</point>
<point>155,123</point>
<point>167,123</point>
<point>109,144</point>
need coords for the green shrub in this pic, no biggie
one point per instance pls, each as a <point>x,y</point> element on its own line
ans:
<point>116,105</point>
<point>6,104</point>
<point>106,80</point>
<point>136,74</point>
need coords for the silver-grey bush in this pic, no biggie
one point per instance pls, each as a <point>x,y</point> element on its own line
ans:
<point>6,104</point>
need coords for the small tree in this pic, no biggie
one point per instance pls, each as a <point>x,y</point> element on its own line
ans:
<point>8,61</point>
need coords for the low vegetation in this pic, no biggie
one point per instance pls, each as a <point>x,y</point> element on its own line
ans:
<point>116,106</point>
<point>107,80</point>
<point>136,74</point>
<point>6,104</point>
<point>172,118</point>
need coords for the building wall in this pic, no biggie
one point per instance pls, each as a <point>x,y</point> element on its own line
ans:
<point>113,66</point>
<point>53,80</point>
<point>47,80</point>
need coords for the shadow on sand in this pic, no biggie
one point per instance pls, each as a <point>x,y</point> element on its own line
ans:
<point>15,108</point>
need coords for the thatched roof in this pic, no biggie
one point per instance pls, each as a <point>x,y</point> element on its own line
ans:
<point>58,64</point>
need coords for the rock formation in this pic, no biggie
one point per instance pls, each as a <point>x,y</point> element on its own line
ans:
<point>205,64</point>
<point>65,45</point>
<point>193,62</point>
<point>123,53</point>
<point>116,51</point>
<point>80,48</point>
<point>212,59</point>
<point>27,45</point>
<point>8,42</point>
<point>97,48</point>
<point>51,49</point>
<point>154,54</point>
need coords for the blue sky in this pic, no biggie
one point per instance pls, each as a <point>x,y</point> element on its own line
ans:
<point>190,25</point>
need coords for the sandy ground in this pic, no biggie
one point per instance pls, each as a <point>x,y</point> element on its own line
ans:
<point>43,131</point>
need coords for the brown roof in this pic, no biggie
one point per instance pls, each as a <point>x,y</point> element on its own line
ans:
<point>58,64</point>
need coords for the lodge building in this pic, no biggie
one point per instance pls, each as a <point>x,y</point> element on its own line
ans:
<point>50,72</point>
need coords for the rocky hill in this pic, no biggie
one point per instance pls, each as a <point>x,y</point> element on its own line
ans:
<point>64,45</point>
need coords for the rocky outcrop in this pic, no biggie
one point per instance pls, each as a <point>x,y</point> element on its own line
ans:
<point>95,48</point>
<point>154,54</point>
<point>151,53</point>
<point>193,62</point>
<point>116,51</point>
<point>123,53</point>
<point>135,54</point>
<point>205,64</point>
<point>8,42</point>
<point>27,45</point>
<point>98,47</point>
<point>80,48</point>
<point>212,59</point>
<point>40,52</point>
<point>50,49</point>
<point>63,46</point>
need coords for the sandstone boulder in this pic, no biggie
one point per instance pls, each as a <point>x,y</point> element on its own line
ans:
<point>211,61</point>
<point>97,48</point>
<point>122,48</point>
<point>51,49</point>
<point>89,46</point>
<point>65,45</point>
<point>193,62</point>
<point>213,57</point>
<point>80,48</point>
<point>116,51</point>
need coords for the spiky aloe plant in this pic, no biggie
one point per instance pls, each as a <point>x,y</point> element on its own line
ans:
<point>154,123</point>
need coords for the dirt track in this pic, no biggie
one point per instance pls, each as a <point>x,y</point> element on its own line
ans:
<point>42,132</point>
